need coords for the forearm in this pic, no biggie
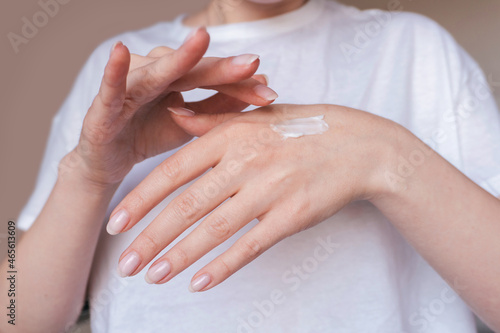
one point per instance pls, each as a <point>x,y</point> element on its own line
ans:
<point>449,220</point>
<point>54,257</point>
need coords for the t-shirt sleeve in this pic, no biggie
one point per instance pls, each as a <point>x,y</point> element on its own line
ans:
<point>64,135</point>
<point>476,124</point>
<point>457,114</point>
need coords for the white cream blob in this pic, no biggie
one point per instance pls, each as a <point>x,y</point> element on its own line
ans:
<point>295,128</point>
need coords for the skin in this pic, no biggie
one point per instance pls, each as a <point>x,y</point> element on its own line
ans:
<point>55,256</point>
<point>434,207</point>
<point>235,11</point>
<point>435,202</point>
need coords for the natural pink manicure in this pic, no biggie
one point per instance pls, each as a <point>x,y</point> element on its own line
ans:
<point>266,78</point>
<point>265,92</point>
<point>129,264</point>
<point>158,272</point>
<point>192,34</point>
<point>201,282</point>
<point>114,47</point>
<point>180,111</point>
<point>118,222</point>
<point>245,59</point>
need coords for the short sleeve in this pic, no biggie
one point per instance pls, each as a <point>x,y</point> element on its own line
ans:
<point>478,128</point>
<point>64,135</point>
<point>461,120</point>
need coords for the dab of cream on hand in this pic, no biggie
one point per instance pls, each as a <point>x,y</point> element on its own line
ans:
<point>295,128</point>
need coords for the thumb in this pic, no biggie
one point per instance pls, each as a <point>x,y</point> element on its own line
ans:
<point>197,124</point>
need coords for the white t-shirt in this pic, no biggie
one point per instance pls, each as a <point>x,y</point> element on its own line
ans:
<point>354,272</point>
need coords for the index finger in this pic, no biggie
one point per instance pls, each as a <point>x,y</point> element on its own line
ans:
<point>148,82</point>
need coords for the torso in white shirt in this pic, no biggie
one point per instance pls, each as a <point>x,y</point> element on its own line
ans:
<point>353,272</point>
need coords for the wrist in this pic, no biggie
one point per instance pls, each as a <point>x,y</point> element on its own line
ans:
<point>404,153</point>
<point>72,169</point>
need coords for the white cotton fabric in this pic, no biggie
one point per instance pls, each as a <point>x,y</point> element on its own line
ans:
<point>354,272</point>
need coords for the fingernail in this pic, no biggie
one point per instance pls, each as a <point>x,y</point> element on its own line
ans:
<point>180,111</point>
<point>245,59</point>
<point>114,47</point>
<point>193,33</point>
<point>266,78</point>
<point>157,272</point>
<point>117,222</point>
<point>129,264</point>
<point>265,92</point>
<point>200,283</point>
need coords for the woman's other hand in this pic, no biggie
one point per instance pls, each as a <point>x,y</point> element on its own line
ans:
<point>129,121</point>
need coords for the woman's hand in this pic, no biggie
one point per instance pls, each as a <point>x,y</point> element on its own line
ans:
<point>128,120</point>
<point>288,185</point>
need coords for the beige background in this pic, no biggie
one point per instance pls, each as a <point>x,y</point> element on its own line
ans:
<point>36,80</point>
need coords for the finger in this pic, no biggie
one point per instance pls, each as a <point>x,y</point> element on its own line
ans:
<point>157,120</point>
<point>139,61</point>
<point>246,249</point>
<point>100,121</point>
<point>219,226</point>
<point>262,78</point>
<point>211,71</point>
<point>181,213</point>
<point>160,51</point>
<point>222,103</point>
<point>251,91</point>
<point>177,170</point>
<point>231,76</point>
<point>214,72</point>
<point>148,82</point>
<point>199,124</point>
<point>218,103</point>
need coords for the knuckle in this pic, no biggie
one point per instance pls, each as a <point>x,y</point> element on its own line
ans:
<point>219,118</point>
<point>218,227</point>
<point>111,102</point>
<point>133,100</point>
<point>223,267</point>
<point>151,80</point>
<point>250,248</point>
<point>179,256</point>
<point>150,242</point>
<point>135,201</point>
<point>159,51</point>
<point>186,206</point>
<point>171,167</point>
<point>130,106</point>
<point>94,133</point>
